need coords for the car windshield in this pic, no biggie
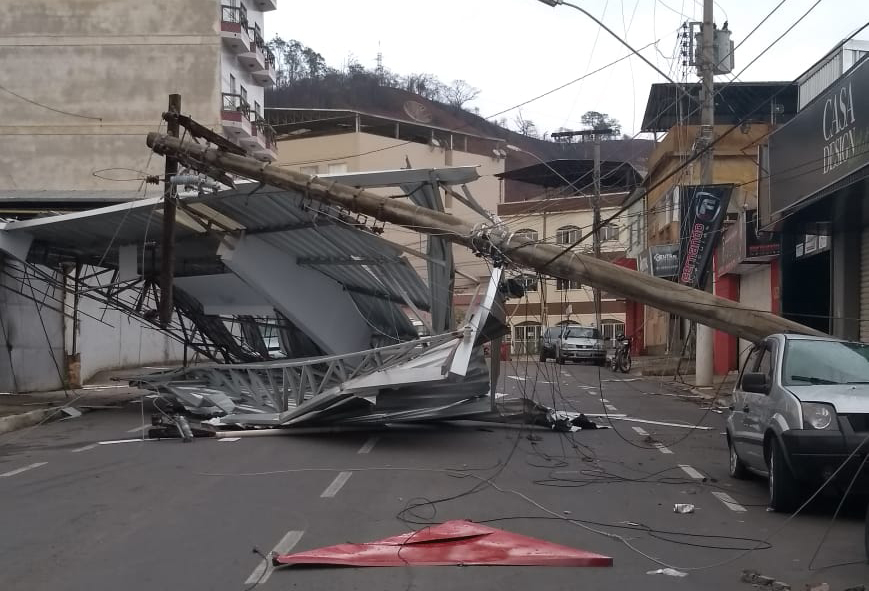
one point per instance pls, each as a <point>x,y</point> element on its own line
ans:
<point>580,332</point>
<point>825,362</point>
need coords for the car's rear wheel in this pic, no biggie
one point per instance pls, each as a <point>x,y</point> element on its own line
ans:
<point>737,468</point>
<point>783,487</point>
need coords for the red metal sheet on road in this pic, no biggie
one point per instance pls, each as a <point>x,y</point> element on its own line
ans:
<point>450,543</point>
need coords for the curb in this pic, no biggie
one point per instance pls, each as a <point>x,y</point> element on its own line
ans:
<point>28,419</point>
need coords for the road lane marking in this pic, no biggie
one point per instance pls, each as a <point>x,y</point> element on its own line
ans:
<point>610,407</point>
<point>24,469</point>
<point>604,400</point>
<point>640,431</point>
<point>139,428</point>
<point>729,502</point>
<point>336,485</point>
<point>369,445</point>
<point>85,448</point>
<point>662,448</point>
<point>665,424</point>
<point>264,569</point>
<point>692,472</point>
<point>114,441</point>
<point>228,439</point>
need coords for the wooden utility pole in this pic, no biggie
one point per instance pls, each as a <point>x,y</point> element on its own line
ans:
<point>705,337</point>
<point>595,203</point>
<point>167,251</point>
<point>498,241</point>
<point>596,226</point>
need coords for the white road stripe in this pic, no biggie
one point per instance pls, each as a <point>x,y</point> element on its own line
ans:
<point>85,448</point>
<point>369,445</point>
<point>691,472</point>
<point>228,439</point>
<point>729,502</point>
<point>610,407</point>
<point>138,429</point>
<point>114,441</point>
<point>336,485</point>
<point>604,400</point>
<point>264,569</point>
<point>24,469</point>
<point>640,431</point>
<point>662,448</point>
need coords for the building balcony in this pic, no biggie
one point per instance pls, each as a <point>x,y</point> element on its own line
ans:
<point>267,76</point>
<point>235,117</point>
<point>254,59</point>
<point>265,5</point>
<point>234,30</point>
<point>266,147</point>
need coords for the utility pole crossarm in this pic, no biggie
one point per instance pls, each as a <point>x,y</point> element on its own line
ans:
<point>690,303</point>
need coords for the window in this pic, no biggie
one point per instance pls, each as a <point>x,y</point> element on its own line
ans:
<point>610,232</point>
<point>526,339</point>
<point>338,168</point>
<point>310,170</point>
<point>528,282</point>
<point>232,87</point>
<point>527,233</point>
<point>256,108</point>
<point>565,284</point>
<point>567,235</point>
<point>243,93</point>
<point>809,361</point>
<point>581,332</point>
<point>671,205</point>
<point>612,329</point>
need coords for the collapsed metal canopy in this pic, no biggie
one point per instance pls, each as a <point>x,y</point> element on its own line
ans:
<point>320,238</point>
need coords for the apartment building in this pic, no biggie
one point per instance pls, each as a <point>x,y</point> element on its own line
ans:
<point>745,114</point>
<point>83,84</point>
<point>549,301</point>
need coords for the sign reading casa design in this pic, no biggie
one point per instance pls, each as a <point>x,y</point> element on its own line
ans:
<point>839,122</point>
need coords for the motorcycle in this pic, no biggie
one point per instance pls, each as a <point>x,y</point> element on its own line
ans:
<point>621,359</point>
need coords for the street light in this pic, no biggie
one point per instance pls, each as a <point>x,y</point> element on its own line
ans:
<point>554,3</point>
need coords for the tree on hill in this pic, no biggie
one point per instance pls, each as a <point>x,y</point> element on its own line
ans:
<point>601,121</point>
<point>460,93</point>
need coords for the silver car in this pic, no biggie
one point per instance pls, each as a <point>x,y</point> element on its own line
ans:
<point>580,343</point>
<point>800,408</point>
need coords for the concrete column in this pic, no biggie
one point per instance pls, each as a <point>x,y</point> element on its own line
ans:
<point>845,262</point>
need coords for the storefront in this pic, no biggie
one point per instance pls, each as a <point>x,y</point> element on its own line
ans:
<point>746,271</point>
<point>813,195</point>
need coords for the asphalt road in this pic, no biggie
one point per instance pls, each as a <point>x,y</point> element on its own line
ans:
<point>167,515</point>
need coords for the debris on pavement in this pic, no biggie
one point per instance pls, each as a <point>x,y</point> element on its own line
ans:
<point>819,587</point>
<point>70,411</point>
<point>458,542</point>
<point>683,508</point>
<point>759,581</point>
<point>672,572</point>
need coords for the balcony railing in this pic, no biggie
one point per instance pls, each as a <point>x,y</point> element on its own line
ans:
<point>271,63</point>
<point>236,102</point>
<point>266,131</point>
<point>235,15</point>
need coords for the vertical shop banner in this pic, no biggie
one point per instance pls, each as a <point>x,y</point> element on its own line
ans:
<point>704,208</point>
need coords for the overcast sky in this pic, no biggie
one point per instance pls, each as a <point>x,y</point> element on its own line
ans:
<point>513,50</point>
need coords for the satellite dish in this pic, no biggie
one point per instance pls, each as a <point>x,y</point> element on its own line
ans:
<point>417,111</point>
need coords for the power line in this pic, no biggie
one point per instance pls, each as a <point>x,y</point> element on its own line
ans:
<point>699,153</point>
<point>44,106</point>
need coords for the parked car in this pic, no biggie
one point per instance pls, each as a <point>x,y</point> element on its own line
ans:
<point>800,408</point>
<point>580,343</point>
<point>547,342</point>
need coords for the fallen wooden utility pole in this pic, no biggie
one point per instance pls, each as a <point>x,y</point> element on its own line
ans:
<point>497,242</point>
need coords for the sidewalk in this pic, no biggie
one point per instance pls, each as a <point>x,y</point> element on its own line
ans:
<point>19,411</point>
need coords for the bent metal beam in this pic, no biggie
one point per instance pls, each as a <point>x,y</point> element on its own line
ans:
<point>725,315</point>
